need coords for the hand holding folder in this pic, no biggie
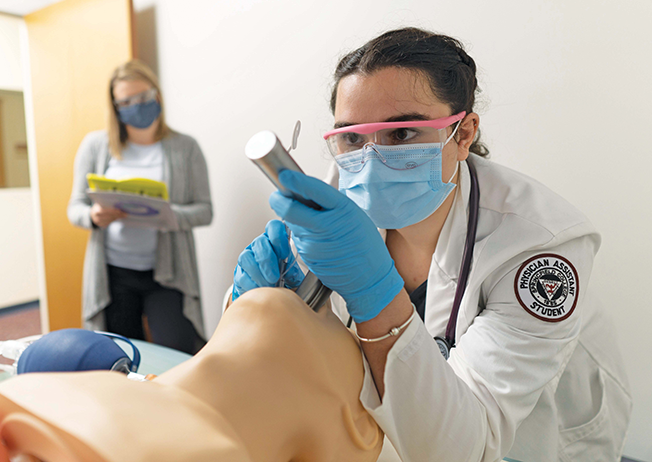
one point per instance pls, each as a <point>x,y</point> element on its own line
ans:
<point>145,201</point>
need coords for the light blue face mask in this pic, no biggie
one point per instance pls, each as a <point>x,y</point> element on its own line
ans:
<point>140,115</point>
<point>392,198</point>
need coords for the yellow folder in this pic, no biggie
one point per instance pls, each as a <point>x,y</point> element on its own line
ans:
<point>140,186</point>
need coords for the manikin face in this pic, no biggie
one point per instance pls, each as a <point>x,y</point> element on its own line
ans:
<point>394,94</point>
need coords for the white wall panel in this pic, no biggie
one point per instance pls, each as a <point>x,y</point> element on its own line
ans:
<point>11,71</point>
<point>18,271</point>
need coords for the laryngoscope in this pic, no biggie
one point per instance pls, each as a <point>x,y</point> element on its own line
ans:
<point>266,151</point>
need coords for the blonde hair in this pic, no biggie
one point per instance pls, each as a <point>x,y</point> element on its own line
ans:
<point>131,70</point>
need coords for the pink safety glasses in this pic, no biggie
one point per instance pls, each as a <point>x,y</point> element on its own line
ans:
<point>352,137</point>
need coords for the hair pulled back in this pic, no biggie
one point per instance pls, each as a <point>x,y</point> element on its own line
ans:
<point>451,72</point>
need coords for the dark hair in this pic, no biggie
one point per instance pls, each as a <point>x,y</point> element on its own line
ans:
<point>441,59</point>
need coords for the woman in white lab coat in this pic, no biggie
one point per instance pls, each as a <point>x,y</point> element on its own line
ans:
<point>530,371</point>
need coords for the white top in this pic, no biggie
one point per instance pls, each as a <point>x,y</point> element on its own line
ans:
<point>126,246</point>
<point>525,380</point>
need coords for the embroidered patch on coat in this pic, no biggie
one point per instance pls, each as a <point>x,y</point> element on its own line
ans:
<point>547,287</point>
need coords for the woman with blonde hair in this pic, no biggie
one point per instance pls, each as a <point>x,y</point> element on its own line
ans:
<point>131,273</point>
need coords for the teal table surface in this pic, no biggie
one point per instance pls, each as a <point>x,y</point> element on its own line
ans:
<point>155,359</point>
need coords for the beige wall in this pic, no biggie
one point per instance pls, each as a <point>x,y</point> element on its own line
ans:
<point>16,169</point>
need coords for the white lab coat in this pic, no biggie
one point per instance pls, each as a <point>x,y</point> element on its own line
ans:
<point>515,386</point>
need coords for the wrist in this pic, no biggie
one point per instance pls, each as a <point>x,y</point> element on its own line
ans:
<point>369,304</point>
<point>395,331</point>
<point>399,310</point>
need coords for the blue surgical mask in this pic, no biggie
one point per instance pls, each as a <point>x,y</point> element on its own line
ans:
<point>392,198</point>
<point>140,115</point>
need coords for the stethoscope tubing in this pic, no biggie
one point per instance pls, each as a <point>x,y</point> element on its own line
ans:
<point>467,257</point>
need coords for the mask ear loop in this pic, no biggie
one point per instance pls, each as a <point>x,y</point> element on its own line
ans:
<point>457,166</point>
<point>453,134</point>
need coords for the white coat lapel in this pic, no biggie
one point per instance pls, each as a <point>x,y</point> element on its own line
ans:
<point>446,261</point>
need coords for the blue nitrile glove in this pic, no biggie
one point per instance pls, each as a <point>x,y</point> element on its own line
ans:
<point>258,264</point>
<point>340,244</point>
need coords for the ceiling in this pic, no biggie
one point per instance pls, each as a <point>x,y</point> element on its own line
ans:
<point>23,7</point>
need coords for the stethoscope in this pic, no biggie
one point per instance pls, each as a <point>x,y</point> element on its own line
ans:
<point>446,343</point>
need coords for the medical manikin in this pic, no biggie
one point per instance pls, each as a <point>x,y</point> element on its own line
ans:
<point>277,382</point>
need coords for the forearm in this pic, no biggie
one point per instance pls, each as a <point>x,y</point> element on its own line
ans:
<point>425,402</point>
<point>79,213</point>
<point>199,209</point>
<point>79,205</point>
<point>195,214</point>
<point>393,315</point>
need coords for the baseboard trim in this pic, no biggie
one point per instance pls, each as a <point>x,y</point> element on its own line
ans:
<point>21,306</point>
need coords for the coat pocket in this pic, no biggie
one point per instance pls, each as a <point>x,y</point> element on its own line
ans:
<point>600,438</point>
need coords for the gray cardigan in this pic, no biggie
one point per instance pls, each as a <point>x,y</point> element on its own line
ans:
<point>176,263</point>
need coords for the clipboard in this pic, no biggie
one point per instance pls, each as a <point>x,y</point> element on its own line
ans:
<point>144,200</point>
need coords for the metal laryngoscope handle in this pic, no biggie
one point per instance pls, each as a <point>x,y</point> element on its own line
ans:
<point>266,151</point>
